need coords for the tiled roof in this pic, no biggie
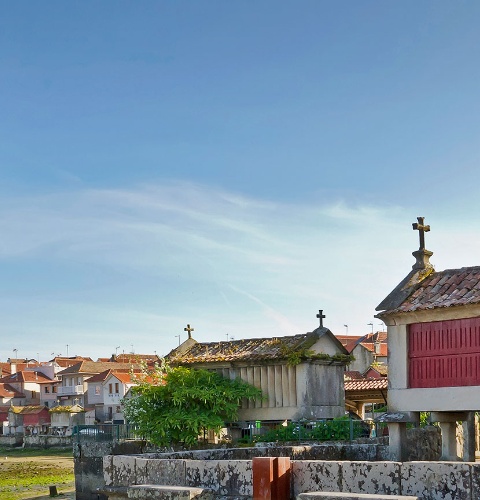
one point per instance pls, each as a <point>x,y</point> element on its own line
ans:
<point>121,374</point>
<point>352,375</point>
<point>25,376</point>
<point>135,358</point>
<point>30,409</point>
<point>449,288</point>
<point>366,384</point>
<point>92,367</point>
<point>380,369</point>
<point>65,362</point>
<point>247,349</point>
<point>7,391</point>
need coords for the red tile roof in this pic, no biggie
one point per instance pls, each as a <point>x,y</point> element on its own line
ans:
<point>366,384</point>
<point>93,367</point>
<point>25,376</point>
<point>449,288</point>
<point>7,391</point>
<point>352,375</point>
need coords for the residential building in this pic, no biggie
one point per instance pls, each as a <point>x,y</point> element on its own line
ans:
<point>28,383</point>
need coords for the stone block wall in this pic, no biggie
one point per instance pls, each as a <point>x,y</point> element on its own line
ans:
<point>233,478</point>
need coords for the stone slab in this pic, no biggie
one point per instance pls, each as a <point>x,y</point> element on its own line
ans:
<point>437,480</point>
<point>316,475</point>
<point>123,470</point>
<point>157,492</point>
<point>166,472</point>
<point>325,495</point>
<point>371,477</point>
<point>235,478</point>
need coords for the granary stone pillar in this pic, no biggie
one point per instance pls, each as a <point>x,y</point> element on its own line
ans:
<point>397,437</point>
<point>448,425</point>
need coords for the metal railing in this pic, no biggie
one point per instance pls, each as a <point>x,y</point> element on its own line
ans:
<point>105,432</point>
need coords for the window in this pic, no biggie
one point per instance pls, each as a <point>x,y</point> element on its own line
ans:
<point>117,409</point>
<point>47,390</point>
<point>34,394</point>
<point>54,389</point>
<point>110,389</point>
<point>117,389</point>
<point>97,390</point>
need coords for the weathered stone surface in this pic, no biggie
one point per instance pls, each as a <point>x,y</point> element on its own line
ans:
<point>141,471</point>
<point>153,492</point>
<point>123,470</point>
<point>235,478</point>
<point>202,474</point>
<point>108,470</point>
<point>313,475</point>
<point>166,472</point>
<point>371,477</point>
<point>475,474</point>
<point>437,480</point>
<point>351,496</point>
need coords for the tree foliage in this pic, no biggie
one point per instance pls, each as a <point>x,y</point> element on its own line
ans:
<point>176,405</point>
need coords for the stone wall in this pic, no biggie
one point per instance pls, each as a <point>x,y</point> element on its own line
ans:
<point>229,479</point>
<point>88,464</point>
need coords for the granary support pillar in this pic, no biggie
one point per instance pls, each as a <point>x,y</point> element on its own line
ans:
<point>448,426</point>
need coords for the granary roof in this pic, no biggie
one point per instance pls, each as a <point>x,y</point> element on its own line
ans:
<point>30,409</point>
<point>449,288</point>
<point>261,349</point>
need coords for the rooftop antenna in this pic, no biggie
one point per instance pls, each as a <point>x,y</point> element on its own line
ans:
<point>370,324</point>
<point>346,329</point>
<point>178,337</point>
<point>116,349</point>
<point>67,350</point>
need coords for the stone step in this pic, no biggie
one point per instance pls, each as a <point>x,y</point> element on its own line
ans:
<point>160,492</point>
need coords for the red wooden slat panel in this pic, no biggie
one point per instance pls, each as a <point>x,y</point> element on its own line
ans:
<point>444,353</point>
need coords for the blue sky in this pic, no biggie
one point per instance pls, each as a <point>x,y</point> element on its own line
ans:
<point>233,165</point>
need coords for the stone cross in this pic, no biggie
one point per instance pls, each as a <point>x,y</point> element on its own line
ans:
<point>320,316</point>
<point>189,329</point>
<point>422,229</point>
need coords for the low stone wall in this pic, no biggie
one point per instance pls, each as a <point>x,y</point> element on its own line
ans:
<point>88,464</point>
<point>47,441</point>
<point>11,440</point>
<point>233,478</point>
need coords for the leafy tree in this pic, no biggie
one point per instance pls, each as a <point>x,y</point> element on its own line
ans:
<point>176,405</point>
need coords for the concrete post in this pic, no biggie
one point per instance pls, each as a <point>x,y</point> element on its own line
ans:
<point>469,438</point>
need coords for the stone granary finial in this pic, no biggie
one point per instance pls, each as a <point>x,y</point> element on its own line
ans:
<point>321,317</point>
<point>189,329</point>
<point>422,254</point>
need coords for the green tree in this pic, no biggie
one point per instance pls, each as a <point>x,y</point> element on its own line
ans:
<point>176,405</point>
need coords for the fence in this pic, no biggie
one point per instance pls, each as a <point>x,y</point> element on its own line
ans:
<point>346,429</point>
<point>105,432</point>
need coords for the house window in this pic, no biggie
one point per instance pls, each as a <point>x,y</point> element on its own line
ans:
<point>47,390</point>
<point>34,394</point>
<point>110,389</point>
<point>117,409</point>
<point>54,389</point>
<point>117,389</point>
<point>97,390</point>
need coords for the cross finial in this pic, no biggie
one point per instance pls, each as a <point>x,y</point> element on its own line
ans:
<point>320,316</point>
<point>189,329</point>
<point>422,229</point>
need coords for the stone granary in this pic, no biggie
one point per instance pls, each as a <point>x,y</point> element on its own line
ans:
<point>433,321</point>
<point>301,376</point>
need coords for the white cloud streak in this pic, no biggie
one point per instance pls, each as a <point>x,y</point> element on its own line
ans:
<point>157,257</point>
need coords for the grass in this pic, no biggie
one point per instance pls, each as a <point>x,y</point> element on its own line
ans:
<point>28,473</point>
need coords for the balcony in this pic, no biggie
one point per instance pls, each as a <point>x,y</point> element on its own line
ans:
<point>70,390</point>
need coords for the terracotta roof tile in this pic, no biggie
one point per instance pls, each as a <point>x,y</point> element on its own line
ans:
<point>366,384</point>
<point>449,288</point>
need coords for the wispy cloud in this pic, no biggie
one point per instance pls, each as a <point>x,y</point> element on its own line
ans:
<point>156,257</point>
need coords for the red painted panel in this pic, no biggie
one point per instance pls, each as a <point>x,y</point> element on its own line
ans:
<point>444,353</point>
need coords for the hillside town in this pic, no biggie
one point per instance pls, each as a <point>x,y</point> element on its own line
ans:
<point>52,397</point>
